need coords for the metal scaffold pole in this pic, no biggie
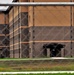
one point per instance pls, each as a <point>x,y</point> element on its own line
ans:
<point>38,4</point>
<point>71,30</point>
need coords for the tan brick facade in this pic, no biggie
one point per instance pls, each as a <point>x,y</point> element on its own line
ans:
<point>32,27</point>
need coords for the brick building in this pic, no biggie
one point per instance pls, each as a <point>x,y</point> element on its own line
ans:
<point>30,28</point>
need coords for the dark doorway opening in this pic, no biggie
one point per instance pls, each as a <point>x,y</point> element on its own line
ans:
<point>55,53</point>
<point>55,49</point>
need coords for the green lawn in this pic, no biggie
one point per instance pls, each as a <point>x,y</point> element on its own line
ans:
<point>43,74</point>
<point>40,64</point>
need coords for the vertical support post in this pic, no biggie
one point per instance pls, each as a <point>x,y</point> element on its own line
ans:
<point>13,34</point>
<point>19,31</point>
<point>30,52</point>
<point>48,52</point>
<point>71,29</point>
<point>8,37</point>
<point>5,35</point>
<point>33,32</point>
<point>30,18</point>
<point>62,52</point>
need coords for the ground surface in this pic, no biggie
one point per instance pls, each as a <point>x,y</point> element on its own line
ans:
<point>45,64</point>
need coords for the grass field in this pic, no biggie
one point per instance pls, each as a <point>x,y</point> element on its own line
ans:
<point>43,74</point>
<point>45,64</point>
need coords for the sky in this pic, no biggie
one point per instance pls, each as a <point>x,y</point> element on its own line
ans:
<point>4,1</point>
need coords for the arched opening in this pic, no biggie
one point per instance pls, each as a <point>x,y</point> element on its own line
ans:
<point>53,49</point>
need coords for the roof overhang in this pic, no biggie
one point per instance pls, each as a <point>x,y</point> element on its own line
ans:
<point>8,9</point>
